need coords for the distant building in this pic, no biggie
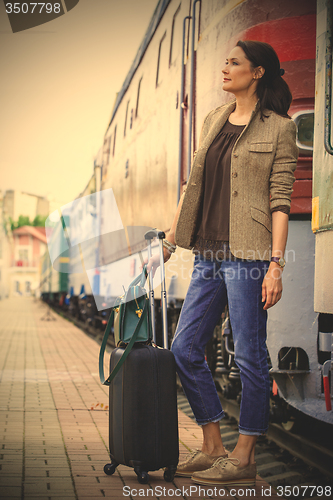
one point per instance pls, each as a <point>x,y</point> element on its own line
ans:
<point>21,249</point>
<point>6,250</point>
<point>16,203</point>
<point>29,244</point>
<point>5,259</point>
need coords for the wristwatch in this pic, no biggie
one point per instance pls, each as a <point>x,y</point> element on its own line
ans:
<point>279,260</point>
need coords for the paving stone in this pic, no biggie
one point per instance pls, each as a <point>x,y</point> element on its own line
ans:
<point>46,485</point>
<point>53,497</point>
<point>42,461</point>
<point>47,471</point>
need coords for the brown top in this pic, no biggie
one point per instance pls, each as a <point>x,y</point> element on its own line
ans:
<point>213,229</point>
<point>214,223</point>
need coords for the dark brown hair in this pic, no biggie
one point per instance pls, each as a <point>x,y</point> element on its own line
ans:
<point>272,91</point>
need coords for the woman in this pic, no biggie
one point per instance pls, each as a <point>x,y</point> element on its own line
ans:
<point>234,214</point>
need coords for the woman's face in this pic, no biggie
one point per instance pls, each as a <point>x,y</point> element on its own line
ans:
<point>238,75</point>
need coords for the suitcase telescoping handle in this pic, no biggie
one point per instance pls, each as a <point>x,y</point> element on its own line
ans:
<point>149,236</point>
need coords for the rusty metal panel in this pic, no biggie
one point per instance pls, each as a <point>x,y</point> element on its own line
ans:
<point>322,202</point>
<point>323,297</point>
<point>322,215</point>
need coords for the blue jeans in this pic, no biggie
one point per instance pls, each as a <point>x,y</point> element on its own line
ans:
<point>213,285</point>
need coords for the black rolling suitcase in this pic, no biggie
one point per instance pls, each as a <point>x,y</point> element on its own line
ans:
<point>143,422</point>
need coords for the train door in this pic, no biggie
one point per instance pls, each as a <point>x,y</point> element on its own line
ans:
<point>322,201</point>
<point>322,213</point>
<point>187,130</point>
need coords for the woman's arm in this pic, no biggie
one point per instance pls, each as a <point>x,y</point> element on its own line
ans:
<point>285,163</point>
<point>281,183</point>
<point>170,236</point>
<point>272,284</point>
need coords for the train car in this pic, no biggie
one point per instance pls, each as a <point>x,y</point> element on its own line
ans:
<point>64,280</point>
<point>322,218</point>
<point>54,279</point>
<point>81,214</point>
<point>302,348</point>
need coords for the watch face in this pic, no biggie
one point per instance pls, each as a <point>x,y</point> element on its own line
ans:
<point>279,261</point>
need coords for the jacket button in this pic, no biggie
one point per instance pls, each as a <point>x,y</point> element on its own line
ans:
<point>234,174</point>
<point>234,193</point>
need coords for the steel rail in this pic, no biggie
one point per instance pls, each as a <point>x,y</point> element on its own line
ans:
<point>311,453</point>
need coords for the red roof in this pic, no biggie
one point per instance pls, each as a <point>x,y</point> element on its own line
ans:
<point>40,229</point>
<point>35,232</point>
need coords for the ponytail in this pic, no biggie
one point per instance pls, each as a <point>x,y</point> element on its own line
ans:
<point>272,90</point>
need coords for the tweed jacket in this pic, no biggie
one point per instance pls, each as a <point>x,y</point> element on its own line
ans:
<point>263,160</point>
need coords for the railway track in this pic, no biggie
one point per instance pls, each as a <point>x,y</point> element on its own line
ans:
<point>283,458</point>
<point>95,333</point>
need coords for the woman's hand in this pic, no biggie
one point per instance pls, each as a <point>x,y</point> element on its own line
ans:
<point>272,285</point>
<point>154,261</point>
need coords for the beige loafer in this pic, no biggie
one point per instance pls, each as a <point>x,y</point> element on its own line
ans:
<point>226,472</point>
<point>197,461</point>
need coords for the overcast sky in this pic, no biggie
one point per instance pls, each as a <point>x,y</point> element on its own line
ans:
<point>58,86</point>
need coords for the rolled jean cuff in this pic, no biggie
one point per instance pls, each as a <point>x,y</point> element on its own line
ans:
<point>211,420</point>
<point>251,433</point>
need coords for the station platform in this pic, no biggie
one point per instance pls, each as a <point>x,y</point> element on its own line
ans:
<point>54,418</point>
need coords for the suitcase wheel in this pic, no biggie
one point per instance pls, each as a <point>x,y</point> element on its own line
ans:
<point>169,475</point>
<point>109,469</point>
<point>142,476</point>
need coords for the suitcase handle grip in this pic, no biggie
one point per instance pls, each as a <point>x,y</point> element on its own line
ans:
<point>154,233</point>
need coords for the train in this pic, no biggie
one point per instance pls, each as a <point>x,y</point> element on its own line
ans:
<point>322,207</point>
<point>142,168</point>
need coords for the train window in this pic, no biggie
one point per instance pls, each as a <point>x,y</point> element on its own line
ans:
<point>187,43</point>
<point>197,26</point>
<point>106,149</point>
<point>138,98</point>
<point>161,64</point>
<point>126,115</point>
<point>114,140</point>
<point>176,33</point>
<point>305,130</point>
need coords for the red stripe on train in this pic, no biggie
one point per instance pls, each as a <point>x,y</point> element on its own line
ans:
<point>293,38</point>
